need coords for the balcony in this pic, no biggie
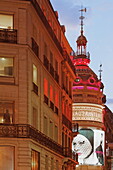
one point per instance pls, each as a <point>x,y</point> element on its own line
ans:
<point>8,36</point>
<point>46,62</point>
<point>27,131</point>
<point>35,88</point>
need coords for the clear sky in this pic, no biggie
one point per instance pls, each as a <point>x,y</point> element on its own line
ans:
<point>98,29</point>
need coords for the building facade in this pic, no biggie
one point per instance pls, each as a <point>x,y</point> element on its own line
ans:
<point>36,77</point>
<point>88,106</point>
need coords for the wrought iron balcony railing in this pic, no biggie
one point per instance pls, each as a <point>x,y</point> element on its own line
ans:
<point>8,36</point>
<point>27,131</point>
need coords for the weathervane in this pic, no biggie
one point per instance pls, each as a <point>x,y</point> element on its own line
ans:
<point>100,72</point>
<point>82,18</point>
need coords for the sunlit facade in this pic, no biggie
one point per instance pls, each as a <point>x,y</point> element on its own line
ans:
<point>36,78</point>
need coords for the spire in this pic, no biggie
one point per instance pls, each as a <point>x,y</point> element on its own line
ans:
<point>82,18</point>
<point>100,71</point>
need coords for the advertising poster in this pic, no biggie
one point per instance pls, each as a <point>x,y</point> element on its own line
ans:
<point>89,145</point>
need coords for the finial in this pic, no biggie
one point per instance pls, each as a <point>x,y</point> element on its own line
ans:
<point>82,18</point>
<point>100,76</point>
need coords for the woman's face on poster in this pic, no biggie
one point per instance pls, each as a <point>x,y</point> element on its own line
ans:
<point>82,146</point>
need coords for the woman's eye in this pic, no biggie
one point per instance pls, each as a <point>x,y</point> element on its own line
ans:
<point>81,142</point>
<point>74,143</point>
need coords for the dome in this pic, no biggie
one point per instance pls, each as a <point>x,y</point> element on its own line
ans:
<point>81,41</point>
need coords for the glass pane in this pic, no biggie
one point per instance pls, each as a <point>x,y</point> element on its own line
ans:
<point>6,66</point>
<point>6,112</point>
<point>6,21</point>
<point>35,160</point>
<point>6,158</point>
<point>34,74</point>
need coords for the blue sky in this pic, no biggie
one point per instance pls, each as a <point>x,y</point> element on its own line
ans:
<point>98,29</point>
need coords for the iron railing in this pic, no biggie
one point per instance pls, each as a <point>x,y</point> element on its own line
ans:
<point>8,35</point>
<point>27,131</point>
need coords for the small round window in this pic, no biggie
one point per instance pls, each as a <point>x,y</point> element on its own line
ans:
<point>91,80</point>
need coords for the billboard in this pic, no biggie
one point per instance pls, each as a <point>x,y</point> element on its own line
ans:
<point>89,145</point>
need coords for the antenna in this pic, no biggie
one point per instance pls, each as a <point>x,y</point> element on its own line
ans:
<point>82,18</point>
<point>100,71</point>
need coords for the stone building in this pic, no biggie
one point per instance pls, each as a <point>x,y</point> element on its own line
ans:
<point>36,77</point>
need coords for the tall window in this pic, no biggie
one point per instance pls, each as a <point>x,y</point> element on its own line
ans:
<point>52,163</point>
<point>51,93</point>
<point>35,75</point>
<point>35,160</point>
<point>6,66</point>
<point>34,117</point>
<point>45,125</point>
<point>51,129</point>
<point>46,162</point>
<point>51,58</point>
<point>45,49</point>
<point>56,66</point>
<point>6,21</point>
<point>6,112</point>
<point>56,133</point>
<point>46,91</point>
<point>6,157</point>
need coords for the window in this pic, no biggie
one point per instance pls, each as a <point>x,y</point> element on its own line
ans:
<point>6,157</point>
<point>34,117</point>
<point>6,66</point>
<point>35,74</point>
<point>56,102</point>
<point>46,91</point>
<point>56,133</point>
<point>51,98</point>
<point>6,21</point>
<point>51,58</point>
<point>46,162</point>
<point>57,164</point>
<point>52,163</point>
<point>45,49</point>
<point>45,125</point>
<point>35,79</point>
<point>6,112</point>
<point>35,160</point>
<point>56,66</point>
<point>51,129</point>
